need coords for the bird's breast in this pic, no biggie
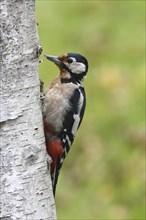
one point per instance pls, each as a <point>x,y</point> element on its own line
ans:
<point>56,104</point>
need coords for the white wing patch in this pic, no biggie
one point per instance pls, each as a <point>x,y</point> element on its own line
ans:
<point>77,116</point>
<point>76,123</point>
<point>68,140</point>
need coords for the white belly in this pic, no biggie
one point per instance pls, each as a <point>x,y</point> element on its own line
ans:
<point>56,104</point>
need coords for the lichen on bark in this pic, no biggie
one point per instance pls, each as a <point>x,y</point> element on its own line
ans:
<point>26,191</point>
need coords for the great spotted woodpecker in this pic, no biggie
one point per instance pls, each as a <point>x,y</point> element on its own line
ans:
<point>63,108</point>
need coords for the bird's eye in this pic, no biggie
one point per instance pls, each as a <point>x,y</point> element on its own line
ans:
<point>69,60</point>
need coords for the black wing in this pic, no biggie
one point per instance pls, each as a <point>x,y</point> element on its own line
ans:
<point>71,124</point>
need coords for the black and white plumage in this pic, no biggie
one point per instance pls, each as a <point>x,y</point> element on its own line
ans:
<point>63,108</point>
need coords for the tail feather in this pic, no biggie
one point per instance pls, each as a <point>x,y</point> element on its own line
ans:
<point>55,175</point>
<point>58,151</point>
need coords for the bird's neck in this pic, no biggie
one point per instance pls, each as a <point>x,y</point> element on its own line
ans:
<point>67,77</point>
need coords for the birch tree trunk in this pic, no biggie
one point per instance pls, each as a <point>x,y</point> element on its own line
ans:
<point>26,191</point>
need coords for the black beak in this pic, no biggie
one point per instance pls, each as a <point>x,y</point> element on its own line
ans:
<point>54,59</point>
<point>57,61</point>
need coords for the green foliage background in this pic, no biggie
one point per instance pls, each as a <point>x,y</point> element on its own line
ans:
<point>103,176</point>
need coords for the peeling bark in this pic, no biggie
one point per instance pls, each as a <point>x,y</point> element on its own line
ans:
<point>26,191</point>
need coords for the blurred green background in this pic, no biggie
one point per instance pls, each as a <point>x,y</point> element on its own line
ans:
<point>104,173</point>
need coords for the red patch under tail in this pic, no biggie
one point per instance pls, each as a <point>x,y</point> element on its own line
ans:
<point>55,150</point>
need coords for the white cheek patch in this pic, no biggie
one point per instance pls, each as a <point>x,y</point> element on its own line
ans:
<point>76,67</point>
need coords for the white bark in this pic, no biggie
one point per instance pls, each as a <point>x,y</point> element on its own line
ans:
<point>26,191</point>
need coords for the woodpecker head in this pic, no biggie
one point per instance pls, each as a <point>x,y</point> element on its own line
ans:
<point>75,64</point>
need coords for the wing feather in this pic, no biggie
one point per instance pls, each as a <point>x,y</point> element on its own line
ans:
<point>71,124</point>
